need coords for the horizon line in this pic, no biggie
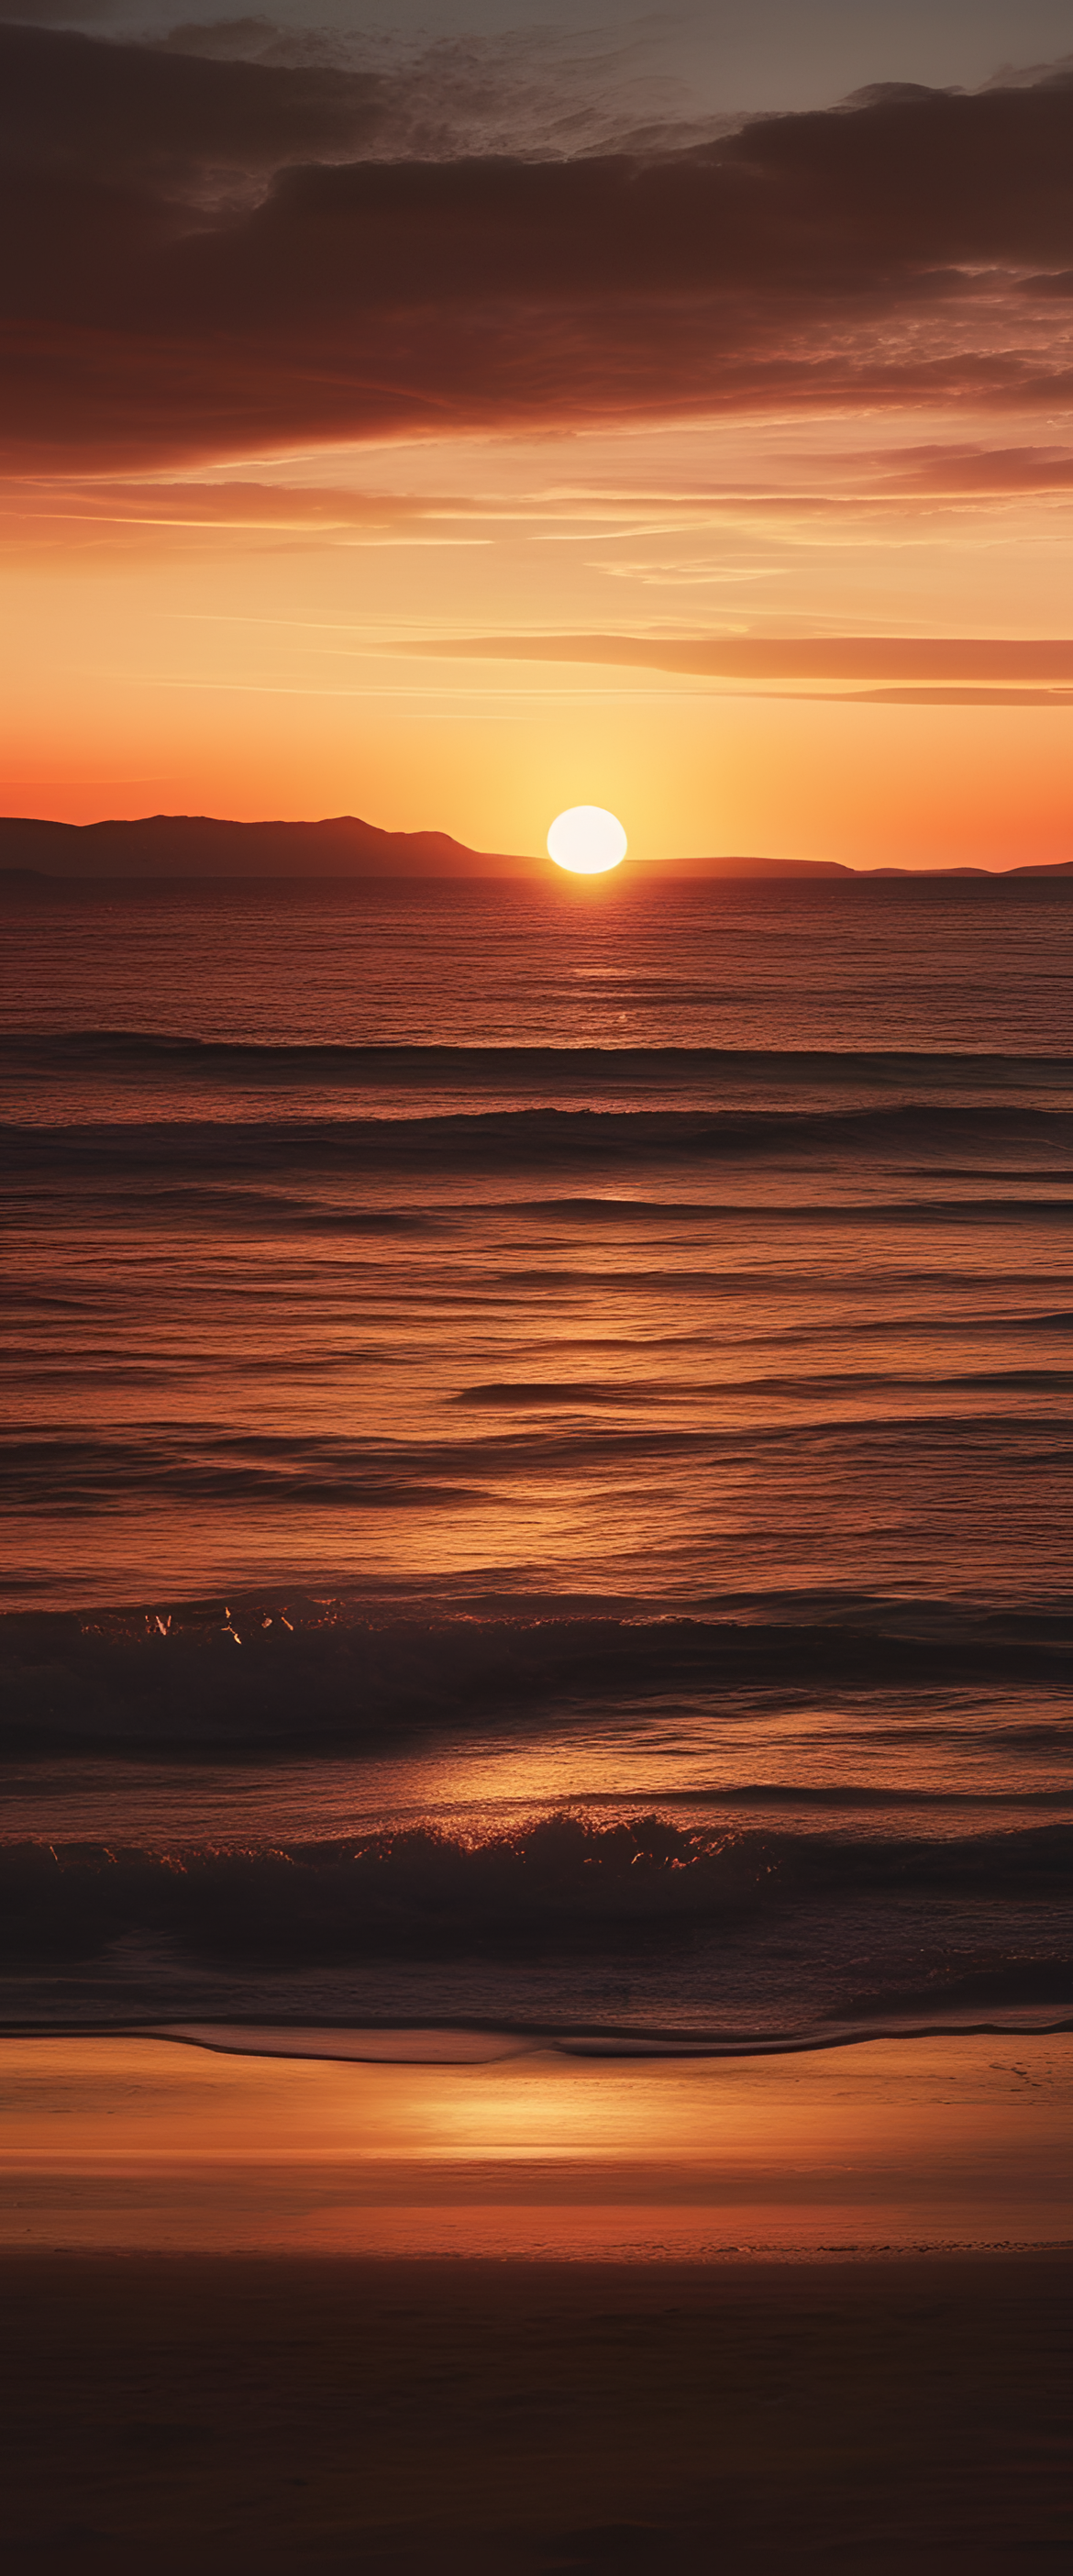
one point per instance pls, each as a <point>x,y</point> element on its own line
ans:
<point>490,866</point>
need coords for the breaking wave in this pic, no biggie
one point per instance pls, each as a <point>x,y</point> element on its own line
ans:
<point>264,1674</point>
<point>419,1892</point>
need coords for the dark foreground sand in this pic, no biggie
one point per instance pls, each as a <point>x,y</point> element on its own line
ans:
<point>243,2412</point>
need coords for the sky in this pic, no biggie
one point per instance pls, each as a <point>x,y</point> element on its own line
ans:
<point>449,416</point>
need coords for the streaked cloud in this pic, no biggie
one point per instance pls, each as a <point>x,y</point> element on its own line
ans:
<point>899,658</point>
<point>225,505</point>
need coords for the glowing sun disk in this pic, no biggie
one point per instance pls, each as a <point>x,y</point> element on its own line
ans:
<point>587,840</point>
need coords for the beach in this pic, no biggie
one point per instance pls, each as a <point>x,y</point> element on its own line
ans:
<point>535,2311</point>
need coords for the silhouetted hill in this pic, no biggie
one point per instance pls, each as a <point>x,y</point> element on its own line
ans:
<point>199,845</point>
<point>745,867</point>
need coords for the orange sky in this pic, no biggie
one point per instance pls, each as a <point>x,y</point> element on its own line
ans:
<point>249,534</point>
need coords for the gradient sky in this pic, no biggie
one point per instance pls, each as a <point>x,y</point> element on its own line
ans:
<point>454,420</point>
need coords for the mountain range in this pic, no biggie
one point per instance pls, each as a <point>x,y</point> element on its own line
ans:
<point>199,845</point>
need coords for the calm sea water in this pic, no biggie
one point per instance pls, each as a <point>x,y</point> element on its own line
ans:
<point>538,1458</point>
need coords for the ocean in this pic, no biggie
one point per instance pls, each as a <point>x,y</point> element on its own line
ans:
<point>537,1453</point>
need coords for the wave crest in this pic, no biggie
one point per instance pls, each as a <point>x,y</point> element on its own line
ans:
<point>423,1892</point>
<point>256,1675</point>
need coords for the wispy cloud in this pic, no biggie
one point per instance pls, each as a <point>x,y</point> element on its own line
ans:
<point>225,505</point>
<point>975,472</point>
<point>986,662</point>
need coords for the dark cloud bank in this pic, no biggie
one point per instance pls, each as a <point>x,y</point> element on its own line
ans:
<point>205,257</point>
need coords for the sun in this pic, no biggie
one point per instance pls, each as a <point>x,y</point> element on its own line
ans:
<point>587,840</point>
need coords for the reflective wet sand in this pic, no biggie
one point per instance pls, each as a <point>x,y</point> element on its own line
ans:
<point>144,2144</point>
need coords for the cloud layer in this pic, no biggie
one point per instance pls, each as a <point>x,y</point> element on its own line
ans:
<point>778,657</point>
<point>214,258</point>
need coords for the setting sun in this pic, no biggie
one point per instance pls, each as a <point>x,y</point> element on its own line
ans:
<point>587,840</point>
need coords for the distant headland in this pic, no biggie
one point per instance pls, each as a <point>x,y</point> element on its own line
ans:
<point>162,846</point>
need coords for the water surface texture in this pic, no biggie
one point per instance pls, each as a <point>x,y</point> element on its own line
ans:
<point>538,1458</point>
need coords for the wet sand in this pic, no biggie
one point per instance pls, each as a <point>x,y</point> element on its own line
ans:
<point>271,2316</point>
<point>142,2144</point>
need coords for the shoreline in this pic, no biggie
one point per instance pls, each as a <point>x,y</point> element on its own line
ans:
<point>468,2041</point>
